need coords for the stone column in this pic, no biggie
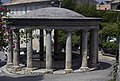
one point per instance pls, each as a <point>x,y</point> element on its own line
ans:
<point>16,53</point>
<point>81,47</point>
<point>10,49</point>
<point>41,41</point>
<point>84,66</point>
<point>48,50</point>
<point>55,42</point>
<point>68,64</point>
<point>29,51</point>
<point>93,53</point>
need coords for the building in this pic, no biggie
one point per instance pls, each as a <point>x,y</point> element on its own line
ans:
<point>109,5</point>
<point>54,18</point>
<point>115,5</point>
<point>50,19</point>
<point>104,5</point>
<point>21,7</point>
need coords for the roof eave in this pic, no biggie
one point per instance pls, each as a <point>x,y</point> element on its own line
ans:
<point>11,4</point>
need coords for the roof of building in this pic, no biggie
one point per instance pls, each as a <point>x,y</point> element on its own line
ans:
<point>53,17</point>
<point>116,1</point>
<point>52,13</point>
<point>23,2</point>
<point>14,2</point>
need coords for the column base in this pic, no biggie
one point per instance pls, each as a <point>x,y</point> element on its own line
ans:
<point>49,71</point>
<point>68,70</point>
<point>96,67</point>
<point>29,69</point>
<point>16,68</point>
<point>9,65</point>
<point>84,69</point>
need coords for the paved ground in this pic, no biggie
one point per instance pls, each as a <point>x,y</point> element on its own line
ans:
<point>98,75</point>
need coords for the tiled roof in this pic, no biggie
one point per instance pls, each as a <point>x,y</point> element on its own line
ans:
<point>23,1</point>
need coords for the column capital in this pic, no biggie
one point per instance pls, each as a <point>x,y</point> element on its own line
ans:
<point>48,30</point>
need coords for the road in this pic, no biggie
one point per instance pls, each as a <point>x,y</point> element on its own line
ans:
<point>97,75</point>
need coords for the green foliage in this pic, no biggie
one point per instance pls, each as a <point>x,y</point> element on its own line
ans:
<point>109,30</point>
<point>109,16</point>
<point>109,24</point>
<point>62,39</point>
<point>75,38</point>
<point>90,11</point>
<point>87,10</point>
<point>112,80</point>
<point>114,72</point>
<point>69,4</point>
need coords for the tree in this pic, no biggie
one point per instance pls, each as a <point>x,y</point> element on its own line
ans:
<point>3,29</point>
<point>69,4</point>
<point>108,26</point>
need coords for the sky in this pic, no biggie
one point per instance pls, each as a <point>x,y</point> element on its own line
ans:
<point>9,0</point>
<point>5,0</point>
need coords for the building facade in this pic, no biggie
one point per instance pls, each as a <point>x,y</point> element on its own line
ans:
<point>115,5</point>
<point>21,7</point>
<point>109,5</point>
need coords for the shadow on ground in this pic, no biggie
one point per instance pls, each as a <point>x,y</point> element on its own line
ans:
<point>2,63</point>
<point>24,78</point>
<point>104,65</point>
